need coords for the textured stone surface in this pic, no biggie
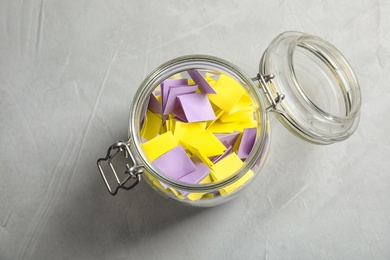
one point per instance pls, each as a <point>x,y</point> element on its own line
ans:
<point>69,71</point>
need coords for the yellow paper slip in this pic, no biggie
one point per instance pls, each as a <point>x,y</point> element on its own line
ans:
<point>196,196</point>
<point>206,143</point>
<point>170,124</point>
<point>237,143</point>
<point>201,156</point>
<point>226,167</point>
<point>176,193</point>
<point>207,179</point>
<point>239,116</point>
<point>248,124</point>
<point>152,125</point>
<point>193,196</point>
<point>176,76</point>
<point>159,145</point>
<point>218,113</point>
<point>237,184</point>
<point>187,130</point>
<point>243,103</point>
<point>229,92</point>
<point>156,183</point>
<point>220,127</point>
<point>208,196</point>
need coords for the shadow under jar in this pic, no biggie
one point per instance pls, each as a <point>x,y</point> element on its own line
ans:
<point>303,80</point>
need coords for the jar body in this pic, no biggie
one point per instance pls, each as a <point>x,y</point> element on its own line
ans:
<point>216,192</point>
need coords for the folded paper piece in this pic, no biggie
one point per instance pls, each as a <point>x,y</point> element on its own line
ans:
<point>172,104</point>
<point>247,141</point>
<point>206,143</point>
<point>199,195</point>
<point>232,187</point>
<point>216,159</point>
<point>152,125</point>
<point>204,86</point>
<point>167,85</point>
<point>220,127</point>
<point>229,92</point>
<point>184,130</point>
<point>196,107</point>
<point>205,159</point>
<point>175,192</point>
<point>199,130</point>
<point>159,145</point>
<point>154,105</point>
<point>169,124</point>
<point>175,163</point>
<point>197,175</point>
<point>244,103</point>
<point>226,167</point>
<point>196,196</point>
<point>228,139</point>
<point>247,124</point>
<point>241,115</point>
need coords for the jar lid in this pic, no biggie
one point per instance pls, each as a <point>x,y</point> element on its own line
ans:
<point>322,95</point>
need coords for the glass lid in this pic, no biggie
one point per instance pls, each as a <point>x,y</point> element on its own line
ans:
<point>322,97</point>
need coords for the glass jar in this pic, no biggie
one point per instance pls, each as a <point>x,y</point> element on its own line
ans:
<point>302,79</point>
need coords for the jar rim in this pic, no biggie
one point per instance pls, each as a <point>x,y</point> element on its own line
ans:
<point>298,112</point>
<point>333,59</point>
<point>185,63</point>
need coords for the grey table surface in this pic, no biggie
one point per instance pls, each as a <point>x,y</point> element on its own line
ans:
<point>69,71</point>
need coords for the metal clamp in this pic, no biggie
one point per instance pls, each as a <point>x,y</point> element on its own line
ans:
<point>263,80</point>
<point>134,172</point>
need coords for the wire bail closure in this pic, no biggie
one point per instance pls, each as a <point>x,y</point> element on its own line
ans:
<point>132,171</point>
<point>263,80</point>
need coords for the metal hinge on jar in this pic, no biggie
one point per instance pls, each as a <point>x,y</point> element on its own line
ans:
<point>263,80</point>
<point>133,172</point>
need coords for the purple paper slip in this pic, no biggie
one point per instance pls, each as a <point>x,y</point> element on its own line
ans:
<point>167,84</point>
<point>154,105</point>
<point>174,163</point>
<point>247,142</point>
<point>180,116</point>
<point>196,107</point>
<point>204,86</point>
<point>217,158</point>
<point>196,176</point>
<point>199,174</point>
<point>228,139</point>
<point>172,104</point>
